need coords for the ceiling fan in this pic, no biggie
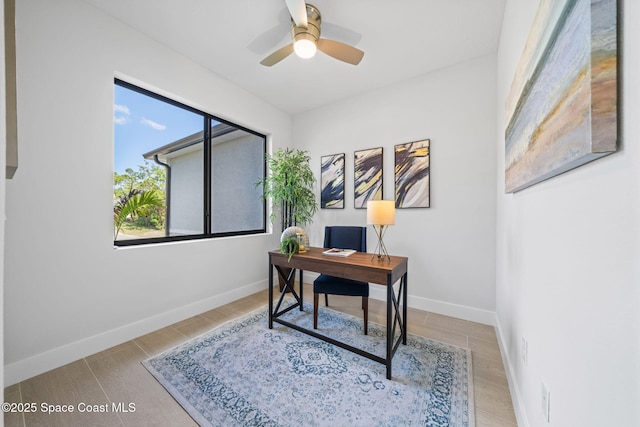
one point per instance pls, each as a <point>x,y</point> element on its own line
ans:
<point>305,33</point>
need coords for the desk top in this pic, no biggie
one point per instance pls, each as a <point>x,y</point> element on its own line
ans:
<point>357,266</point>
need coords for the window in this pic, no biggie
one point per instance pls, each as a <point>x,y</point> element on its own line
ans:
<point>180,173</point>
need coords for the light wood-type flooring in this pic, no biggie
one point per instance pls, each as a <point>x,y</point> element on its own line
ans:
<point>117,376</point>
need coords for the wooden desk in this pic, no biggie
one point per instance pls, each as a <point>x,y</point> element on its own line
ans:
<point>358,266</point>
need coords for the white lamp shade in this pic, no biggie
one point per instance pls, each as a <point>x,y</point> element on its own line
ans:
<point>381,212</point>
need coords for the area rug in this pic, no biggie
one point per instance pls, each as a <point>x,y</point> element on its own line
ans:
<point>245,374</point>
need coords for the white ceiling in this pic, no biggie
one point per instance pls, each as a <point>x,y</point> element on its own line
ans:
<point>401,39</point>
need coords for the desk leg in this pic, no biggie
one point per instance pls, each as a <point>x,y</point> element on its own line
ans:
<point>301,296</point>
<point>389,327</point>
<point>270,295</point>
<point>404,309</point>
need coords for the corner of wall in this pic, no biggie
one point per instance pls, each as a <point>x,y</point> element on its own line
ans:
<point>512,380</point>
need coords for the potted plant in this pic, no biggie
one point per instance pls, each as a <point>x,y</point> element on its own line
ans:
<point>290,185</point>
<point>289,246</point>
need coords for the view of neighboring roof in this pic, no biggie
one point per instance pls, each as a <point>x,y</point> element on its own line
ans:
<point>217,131</point>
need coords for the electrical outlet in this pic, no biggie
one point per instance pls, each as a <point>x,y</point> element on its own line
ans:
<point>546,397</point>
<point>525,351</point>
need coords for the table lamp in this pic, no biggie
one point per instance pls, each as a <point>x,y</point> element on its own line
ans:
<point>381,214</point>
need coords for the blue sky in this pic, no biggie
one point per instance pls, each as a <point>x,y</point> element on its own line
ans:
<point>142,123</point>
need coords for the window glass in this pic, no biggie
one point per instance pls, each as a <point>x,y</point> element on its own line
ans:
<point>180,173</point>
<point>236,165</point>
<point>186,201</point>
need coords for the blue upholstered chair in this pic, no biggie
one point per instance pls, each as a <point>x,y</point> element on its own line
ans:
<point>342,237</point>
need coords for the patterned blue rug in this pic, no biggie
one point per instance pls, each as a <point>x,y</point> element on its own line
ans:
<point>245,374</point>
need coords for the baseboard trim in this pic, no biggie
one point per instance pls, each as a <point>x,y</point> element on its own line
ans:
<point>51,359</point>
<point>518,403</point>
<point>464,312</point>
<point>378,292</point>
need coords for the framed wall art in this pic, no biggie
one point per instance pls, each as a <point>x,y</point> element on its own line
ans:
<point>561,111</point>
<point>332,181</point>
<point>367,178</point>
<point>412,174</point>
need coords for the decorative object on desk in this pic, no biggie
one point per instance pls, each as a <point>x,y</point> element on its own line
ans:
<point>303,242</point>
<point>412,174</point>
<point>289,246</point>
<point>290,241</point>
<point>561,111</point>
<point>381,214</point>
<point>332,182</point>
<point>339,252</point>
<point>235,375</point>
<point>367,178</point>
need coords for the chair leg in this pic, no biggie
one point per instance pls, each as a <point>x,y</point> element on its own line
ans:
<point>315,310</point>
<point>326,300</point>
<point>365,307</point>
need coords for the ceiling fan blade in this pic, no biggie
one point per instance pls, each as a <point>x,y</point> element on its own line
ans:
<point>337,32</point>
<point>278,55</point>
<point>298,11</point>
<point>341,51</point>
<point>265,42</point>
<point>270,38</point>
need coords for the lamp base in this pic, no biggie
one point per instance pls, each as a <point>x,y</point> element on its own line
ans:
<point>381,250</point>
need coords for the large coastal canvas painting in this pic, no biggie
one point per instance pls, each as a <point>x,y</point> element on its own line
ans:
<point>561,111</point>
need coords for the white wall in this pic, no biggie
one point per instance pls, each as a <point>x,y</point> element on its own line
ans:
<point>451,246</point>
<point>3,143</point>
<point>568,270</point>
<point>68,292</point>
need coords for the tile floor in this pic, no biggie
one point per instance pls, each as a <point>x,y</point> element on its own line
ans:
<point>116,376</point>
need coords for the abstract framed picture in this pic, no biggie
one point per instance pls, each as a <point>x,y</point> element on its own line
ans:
<point>367,176</point>
<point>332,181</point>
<point>412,171</point>
<point>561,111</point>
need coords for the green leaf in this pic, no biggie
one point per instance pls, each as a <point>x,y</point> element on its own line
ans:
<point>135,204</point>
<point>289,246</point>
<point>290,186</point>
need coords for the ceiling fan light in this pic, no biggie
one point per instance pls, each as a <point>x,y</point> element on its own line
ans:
<point>304,48</point>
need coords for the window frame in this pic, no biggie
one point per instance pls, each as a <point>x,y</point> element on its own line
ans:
<point>207,175</point>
